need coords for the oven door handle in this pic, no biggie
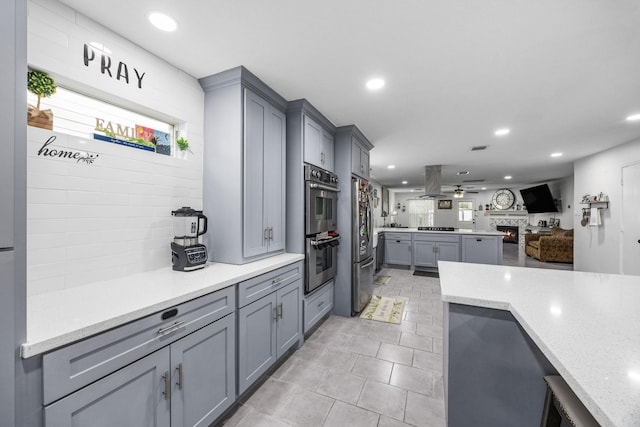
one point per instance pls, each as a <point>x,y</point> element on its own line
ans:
<point>370,263</point>
<point>323,187</point>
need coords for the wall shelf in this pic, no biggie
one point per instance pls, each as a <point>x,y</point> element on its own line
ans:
<point>599,205</point>
<point>497,212</point>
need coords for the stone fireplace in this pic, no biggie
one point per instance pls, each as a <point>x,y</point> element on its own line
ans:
<point>517,222</point>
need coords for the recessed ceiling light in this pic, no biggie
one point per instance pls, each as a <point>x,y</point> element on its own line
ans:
<point>502,132</point>
<point>556,154</point>
<point>462,173</point>
<point>483,188</point>
<point>633,118</point>
<point>404,182</point>
<point>507,177</point>
<point>162,22</point>
<point>391,167</point>
<point>375,84</point>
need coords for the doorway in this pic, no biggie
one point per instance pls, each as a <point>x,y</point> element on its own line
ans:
<point>630,224</point>
<point>465,214</point>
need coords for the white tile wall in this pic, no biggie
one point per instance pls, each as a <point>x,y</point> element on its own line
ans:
<point>87,223</point>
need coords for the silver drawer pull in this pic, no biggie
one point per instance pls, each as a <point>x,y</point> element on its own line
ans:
<point>276,281</point>
<point>320,304</point>
<point>171,328</point>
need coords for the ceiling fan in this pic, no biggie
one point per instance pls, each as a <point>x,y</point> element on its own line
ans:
<point>459,191</point>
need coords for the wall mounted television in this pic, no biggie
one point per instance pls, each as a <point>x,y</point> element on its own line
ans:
<point>538,199</point>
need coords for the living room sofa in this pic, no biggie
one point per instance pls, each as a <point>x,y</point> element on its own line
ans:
<point>555,247</point>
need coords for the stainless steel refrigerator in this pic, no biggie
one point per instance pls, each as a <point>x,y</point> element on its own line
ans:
<point>362,261</point>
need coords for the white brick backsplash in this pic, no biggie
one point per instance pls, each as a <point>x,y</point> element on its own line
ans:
<point>89,223</point>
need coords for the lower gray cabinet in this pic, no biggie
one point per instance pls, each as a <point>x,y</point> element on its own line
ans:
<point>132,396</point>
<point>187,383</point>
<point>267,328</point>
<point>429,248</point>
<point>482,249</point>
<point>424,254</point>
<point>397,250</point>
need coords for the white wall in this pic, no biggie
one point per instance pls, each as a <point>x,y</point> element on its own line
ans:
<point>598,249</point>
<point>88,223</point>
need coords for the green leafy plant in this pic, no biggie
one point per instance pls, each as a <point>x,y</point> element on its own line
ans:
<point>40,84</point>
<point>183,144</point>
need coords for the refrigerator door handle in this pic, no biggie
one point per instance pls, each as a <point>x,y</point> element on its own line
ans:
<point>362,267</point>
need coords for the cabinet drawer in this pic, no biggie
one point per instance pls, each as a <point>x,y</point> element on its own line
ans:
<point>72,367</point>
<point>430,237</point>
<point>317,305</point>
<point>253,289</point>
<point>397,236</point>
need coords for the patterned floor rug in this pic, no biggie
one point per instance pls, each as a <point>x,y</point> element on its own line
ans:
<point>384,309</point>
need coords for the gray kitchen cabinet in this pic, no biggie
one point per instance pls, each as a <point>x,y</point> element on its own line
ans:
<point>482,249</point>
<point>359,158</point>
<point>244,167</point>
<point>172,368</point>
<point>268,326</point>
<point>318,145</point>
<point>317,305</point>
<point>431,248</point>
<point>397,249</point>
<point>187,383</point>
<point>264,219</point>
<point>136,395</point>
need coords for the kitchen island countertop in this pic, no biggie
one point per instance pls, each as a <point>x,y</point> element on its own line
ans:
<point>586,324</point>
<point>59,318</point>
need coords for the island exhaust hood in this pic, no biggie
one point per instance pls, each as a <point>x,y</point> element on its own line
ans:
<point>432,186</point>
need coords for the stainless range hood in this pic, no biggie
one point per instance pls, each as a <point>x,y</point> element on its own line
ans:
<point>432,186</point>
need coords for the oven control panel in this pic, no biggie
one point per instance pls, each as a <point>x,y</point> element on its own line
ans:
<point>316,174</point>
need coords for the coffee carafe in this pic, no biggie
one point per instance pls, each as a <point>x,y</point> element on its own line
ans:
<point>187,252</point>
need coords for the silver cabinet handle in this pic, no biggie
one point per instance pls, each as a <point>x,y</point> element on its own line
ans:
<point>320,304</point>
<point>179,382</point>
<point>275,313</point>
<point>266,233</point>
<point>167,385</point>
<point>170,328</point>
<point>270,233</point>
<point>281,310</point>
<point>276,281</point>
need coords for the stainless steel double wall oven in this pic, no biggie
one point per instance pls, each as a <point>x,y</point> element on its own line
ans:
<point>321,204</point>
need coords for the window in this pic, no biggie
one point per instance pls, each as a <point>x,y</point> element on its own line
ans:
<point>421,213</point>
<point>82,116</point>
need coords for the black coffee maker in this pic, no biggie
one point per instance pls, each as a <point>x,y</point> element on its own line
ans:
<point>187,253</point>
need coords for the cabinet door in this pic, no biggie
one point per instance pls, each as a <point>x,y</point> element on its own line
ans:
<point>448,251</point>
<point>364,162</point>
<point>132,396</point>
<point>288,326</point>
<point>481,249</point>
<point>255,233</point>
<point>203,378</point>
<point>356,164</point>
<point>312,142</point>
<point>326,152</point>
<point>424,254</point>
<point>275,179</point>
<point>398,252</point>
<point>256,340</point>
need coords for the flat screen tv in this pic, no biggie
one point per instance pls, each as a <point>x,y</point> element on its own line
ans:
<point>538,199</point>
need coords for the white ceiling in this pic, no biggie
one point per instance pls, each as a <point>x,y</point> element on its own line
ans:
<point>562,75</point>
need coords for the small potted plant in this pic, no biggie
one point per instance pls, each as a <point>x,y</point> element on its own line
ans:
<point>183,146</point>
<point>42,85</point>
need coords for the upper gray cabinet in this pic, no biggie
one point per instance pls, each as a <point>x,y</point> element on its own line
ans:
<point>313,132</point>
<point>353,140</point>
<point>244,167</point>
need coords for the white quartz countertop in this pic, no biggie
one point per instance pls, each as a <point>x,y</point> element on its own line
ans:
<point>58,318</point>
<point>586,324</point>
<point>463,231</point>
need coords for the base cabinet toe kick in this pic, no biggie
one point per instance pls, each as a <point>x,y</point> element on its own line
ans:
<point>184,366</point>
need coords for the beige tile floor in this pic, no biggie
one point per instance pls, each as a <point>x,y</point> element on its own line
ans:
<point>355,372</point>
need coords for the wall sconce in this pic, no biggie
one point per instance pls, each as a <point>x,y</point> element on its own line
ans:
<point>398,205</point>
<point>404,208</point>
